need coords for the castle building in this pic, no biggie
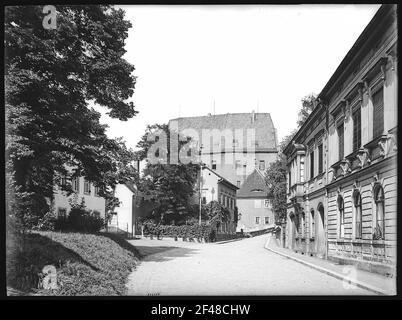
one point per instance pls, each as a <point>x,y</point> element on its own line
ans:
<point>232,144</point>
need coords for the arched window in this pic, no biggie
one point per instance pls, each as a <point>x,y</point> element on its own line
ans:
<point>357,201</point>
<point>379,230</point>
<point>312,224</point>
<point>341,217</point>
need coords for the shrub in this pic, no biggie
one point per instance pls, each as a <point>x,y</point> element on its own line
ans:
<point>194,231</point>
<point>79,219</point>
<point>47,222</point>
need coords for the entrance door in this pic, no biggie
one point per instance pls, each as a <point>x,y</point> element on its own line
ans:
<point>320,232</point>
<point>292,232</point>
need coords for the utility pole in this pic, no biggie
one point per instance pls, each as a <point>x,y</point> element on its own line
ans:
<point>200,187</point>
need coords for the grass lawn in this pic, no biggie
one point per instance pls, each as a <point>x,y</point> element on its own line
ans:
<point>87,264</point>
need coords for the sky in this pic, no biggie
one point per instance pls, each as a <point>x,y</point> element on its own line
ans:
<point>239,58</point>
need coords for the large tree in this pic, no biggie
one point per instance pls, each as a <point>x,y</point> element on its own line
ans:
<point>167,181</point>
<point>51,78</point>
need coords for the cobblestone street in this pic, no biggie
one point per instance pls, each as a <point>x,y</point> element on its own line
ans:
<point>241,267</point>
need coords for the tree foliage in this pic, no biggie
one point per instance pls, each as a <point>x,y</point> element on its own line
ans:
<point>169,184</point>
<point>275,178</point>
<point>51,78</point>
<point>308,104</point>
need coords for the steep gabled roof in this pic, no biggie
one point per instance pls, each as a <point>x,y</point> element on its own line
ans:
<point>265,132</point>
<point>221,179</point>
<point>254,186</point>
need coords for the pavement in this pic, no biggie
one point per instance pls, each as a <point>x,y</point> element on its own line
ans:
<point>236,268</point>
<point>373,282</point>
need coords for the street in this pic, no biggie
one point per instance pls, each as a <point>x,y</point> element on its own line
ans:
<point>242,267</point>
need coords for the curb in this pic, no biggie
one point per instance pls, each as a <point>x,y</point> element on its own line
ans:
<point>331,273</point>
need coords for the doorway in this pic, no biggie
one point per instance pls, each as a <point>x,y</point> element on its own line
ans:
<point>320,231</point>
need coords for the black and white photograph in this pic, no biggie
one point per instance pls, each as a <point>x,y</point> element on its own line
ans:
<point>201,150</point>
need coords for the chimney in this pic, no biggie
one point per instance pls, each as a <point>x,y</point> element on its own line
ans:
<point>252,116</point>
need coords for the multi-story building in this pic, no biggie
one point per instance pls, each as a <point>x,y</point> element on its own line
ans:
<point>82,190</point>
<point>232,144</point>
<point>254,204</point>
<point>342,162</point>
<point>216,188</point>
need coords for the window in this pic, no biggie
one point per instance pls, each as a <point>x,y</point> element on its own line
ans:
<point>267,203</point>
<point>378,113</point>
<point>63,181</point>
<point>213,164</point>
<point>76,184</point>
<point>87,187</point>
<point>257,220</point>
<point>238,184</point>
<point>262,165</point>
<point>379,230</point>
<point>312,225</point>
<point>204,200</point>
<point>97,192</point>
<point>238,164</point>
<point>266,220</point>
<point>311,164</point>
<point>341,217</point>
<point>340,141</point>
<point>302,169</point>
<point>357,137</point>
<point>358,214</point>
<point>62,212</point>
<point>320,159</point>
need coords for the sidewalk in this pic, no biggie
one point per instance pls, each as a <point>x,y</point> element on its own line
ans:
<point>373,282</point>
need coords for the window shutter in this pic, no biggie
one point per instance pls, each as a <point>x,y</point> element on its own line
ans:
<point>340,135</point>
<point>320,160</point>
<point>378,113</point>
<point>312,165</point>
<point>357,129</point>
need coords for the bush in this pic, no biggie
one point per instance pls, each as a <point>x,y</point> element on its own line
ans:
<point>195,231</point>
<point>79,220</point>
<point>47,222</point>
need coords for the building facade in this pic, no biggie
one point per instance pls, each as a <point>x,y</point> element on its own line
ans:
<point>342,163</point>
<point>254,205</point>
<point>83,190</point>
<point>216,188</point>
<point>232,144</point>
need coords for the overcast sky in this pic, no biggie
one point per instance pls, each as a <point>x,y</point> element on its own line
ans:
<point>263,58</point>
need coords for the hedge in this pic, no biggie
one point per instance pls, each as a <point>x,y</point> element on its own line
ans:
<point>196,231</point>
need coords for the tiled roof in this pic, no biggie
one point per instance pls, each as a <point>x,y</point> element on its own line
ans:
<point>254,182</point>
<point>222,179</point>
<point>131,186</point>
<point>265,133</point>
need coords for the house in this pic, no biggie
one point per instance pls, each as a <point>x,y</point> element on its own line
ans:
<point>232,144</point>
<point>133,206</point>
<point>254,205</point>
<point>342,180</point>
<point>216,188</point>
<point>82,190</point>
